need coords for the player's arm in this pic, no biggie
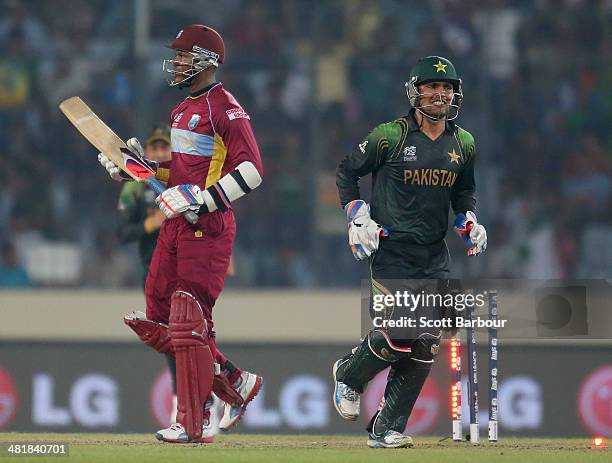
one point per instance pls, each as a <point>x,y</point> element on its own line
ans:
<point>363,232</point>
<point>463,199</point>
<point>463,194</point>
<point>364,159</point>
<point>235,129</point>
<point>234,126</point>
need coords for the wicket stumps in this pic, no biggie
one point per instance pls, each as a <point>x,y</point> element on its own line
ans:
<point>472,389</point>
<point>472,378</point>
<point>456,387</point>
<point>493,367</point>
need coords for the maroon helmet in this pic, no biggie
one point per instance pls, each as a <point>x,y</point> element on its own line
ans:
<point>204,44</point>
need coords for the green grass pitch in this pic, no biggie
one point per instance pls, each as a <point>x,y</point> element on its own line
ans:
<point>234,447</point>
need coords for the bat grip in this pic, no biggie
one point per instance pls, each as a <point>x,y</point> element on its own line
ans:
<point>159,188</point>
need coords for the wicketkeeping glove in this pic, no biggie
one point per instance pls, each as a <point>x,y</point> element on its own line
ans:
<point>176,200</point>
<point>363,233</point>
<point>474,234</point>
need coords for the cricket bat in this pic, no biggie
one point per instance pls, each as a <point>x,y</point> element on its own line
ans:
<point>107,142</point>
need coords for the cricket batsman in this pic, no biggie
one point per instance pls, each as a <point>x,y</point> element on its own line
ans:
<point>215,161</point>
<point>140,220</point>
<point>421,164</point>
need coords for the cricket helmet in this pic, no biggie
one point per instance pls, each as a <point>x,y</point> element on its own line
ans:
<point>204,44</point>
<point>433,69</point>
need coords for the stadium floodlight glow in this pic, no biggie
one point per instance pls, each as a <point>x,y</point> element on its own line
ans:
<point>599,442</point>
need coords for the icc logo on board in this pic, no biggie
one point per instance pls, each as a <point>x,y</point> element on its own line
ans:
<point>595,401</point>
<point>8,399</point>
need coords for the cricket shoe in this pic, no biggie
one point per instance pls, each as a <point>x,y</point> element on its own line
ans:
<point>346,400</point>
<point>176,434</point>
<point>248,389</point>
<point>390,440</point>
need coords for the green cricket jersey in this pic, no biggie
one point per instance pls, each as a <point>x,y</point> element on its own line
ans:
<point>414,179</point>
<point>136,202</point>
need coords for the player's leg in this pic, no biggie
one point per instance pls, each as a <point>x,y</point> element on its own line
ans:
<point>189,334</point>
<point>154,330</point>
<point>229,370</point>
<point>405,382</point>
<point>152,327</point>
<point>244,383</point>
<point>353,372</point>
<point>377,351</point>
<point>202,267</point>
<point>157,336</point>
<point>162,276</point>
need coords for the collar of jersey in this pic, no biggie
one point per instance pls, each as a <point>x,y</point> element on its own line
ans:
<point>413,125</point>
<point>202,91</point>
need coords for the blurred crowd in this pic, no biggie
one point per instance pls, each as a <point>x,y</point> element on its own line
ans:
<point>315,77</point>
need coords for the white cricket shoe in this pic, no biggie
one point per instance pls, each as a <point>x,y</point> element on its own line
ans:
<point>176,433</point>
<point>248,389</point>
<point>390,440</point>
<point>346,400</point>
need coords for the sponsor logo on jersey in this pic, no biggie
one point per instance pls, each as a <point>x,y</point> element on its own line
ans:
<point>194,121</point>
<point>410,153</point>
<point>362,146</point>
<point>176,120</point>
<point>430,177</point>
<point>236,113</point>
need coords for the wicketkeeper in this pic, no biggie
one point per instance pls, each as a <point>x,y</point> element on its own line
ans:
<point>421,165</point>
<point>215,160</point>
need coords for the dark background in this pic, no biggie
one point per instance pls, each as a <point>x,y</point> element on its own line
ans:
<point>315,77</point>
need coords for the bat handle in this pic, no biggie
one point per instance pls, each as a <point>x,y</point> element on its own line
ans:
<point>159,188</point>
<point>191,217</point>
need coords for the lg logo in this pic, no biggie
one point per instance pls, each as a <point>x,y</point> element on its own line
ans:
<point>303,402</point>
<point>93,401</point>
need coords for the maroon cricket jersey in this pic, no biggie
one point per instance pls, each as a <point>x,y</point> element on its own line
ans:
<point>211,135</point>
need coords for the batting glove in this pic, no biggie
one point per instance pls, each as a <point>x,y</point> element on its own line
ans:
<point>178,199</point>
<point>115,173</point>
<point>474,234</point>
<point>135,148</point>
<point>363,233</point>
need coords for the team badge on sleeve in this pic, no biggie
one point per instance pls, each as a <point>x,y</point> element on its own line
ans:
<point>236,113</point>
<point>362,146</point>
<point>194,121</point>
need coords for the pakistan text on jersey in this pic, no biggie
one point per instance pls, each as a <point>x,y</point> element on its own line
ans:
<point>430,177</point>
